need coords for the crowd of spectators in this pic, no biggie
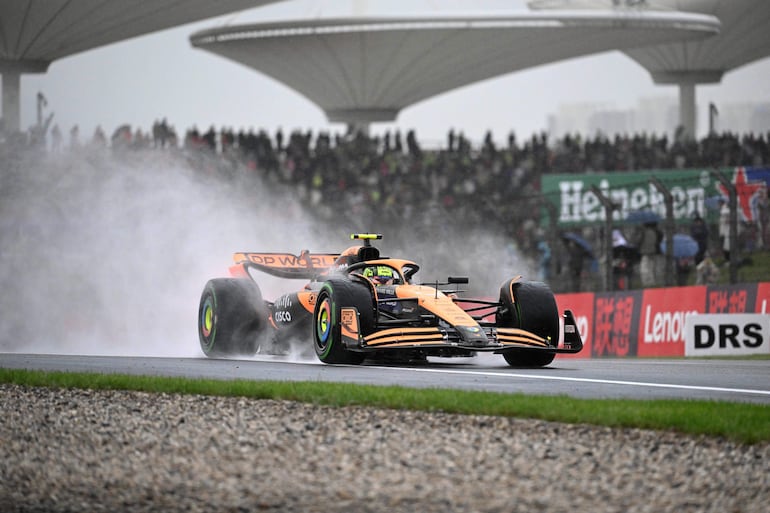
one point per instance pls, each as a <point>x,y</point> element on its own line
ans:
<point>392,179</point>
<point>538,154</point>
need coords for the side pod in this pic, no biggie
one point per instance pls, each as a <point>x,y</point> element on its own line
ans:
<point>572,341</point>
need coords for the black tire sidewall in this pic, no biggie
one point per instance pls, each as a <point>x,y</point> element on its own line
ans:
<point>531,306</point>
<point>237,317</point>
<point>334,295</point>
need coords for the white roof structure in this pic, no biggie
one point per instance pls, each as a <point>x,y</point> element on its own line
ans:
<point>35,33</point>
<point>743,38</point>
<point>366,69</point>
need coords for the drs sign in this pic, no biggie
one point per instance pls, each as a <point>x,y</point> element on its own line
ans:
<point>727,334</point>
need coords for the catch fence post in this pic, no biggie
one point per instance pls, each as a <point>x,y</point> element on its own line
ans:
<point>609,207</point>
<point>732,203</point>
<point>668,228</point>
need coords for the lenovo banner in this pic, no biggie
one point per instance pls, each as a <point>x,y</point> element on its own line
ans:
<point>663,316</point>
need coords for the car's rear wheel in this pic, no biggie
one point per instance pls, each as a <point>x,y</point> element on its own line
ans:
<point>232,318</point>
<point>529,306</point>
<point>327,326</point>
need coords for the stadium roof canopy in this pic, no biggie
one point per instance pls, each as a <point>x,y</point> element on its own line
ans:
<point>366,69</point>
<point>744,37</point>
<point>35,33</point>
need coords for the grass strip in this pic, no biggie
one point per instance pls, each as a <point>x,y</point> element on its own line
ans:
<point>740,422</point>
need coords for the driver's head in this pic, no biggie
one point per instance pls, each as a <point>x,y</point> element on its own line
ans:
<point>379,274</point>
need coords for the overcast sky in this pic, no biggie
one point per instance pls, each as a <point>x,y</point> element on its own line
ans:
<point>162,76</point>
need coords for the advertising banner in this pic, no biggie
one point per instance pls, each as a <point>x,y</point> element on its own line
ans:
<point>763,298</point>
<point>653,322</point>
<point>731,298</point>
<point>727,334</point>
<point>693,190</point>
<point>582,306</point>
<point>616,323</point>
<point>661,332</point>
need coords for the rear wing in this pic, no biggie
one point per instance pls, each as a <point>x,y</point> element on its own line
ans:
<point>304,266</point>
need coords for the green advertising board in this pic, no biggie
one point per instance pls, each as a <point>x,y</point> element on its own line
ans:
<point>576,204</point>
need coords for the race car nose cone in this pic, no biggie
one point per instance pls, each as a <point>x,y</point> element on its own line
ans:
<point>473,335</point>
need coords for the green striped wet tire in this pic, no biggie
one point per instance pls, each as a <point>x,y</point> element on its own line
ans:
<point>327,333</point>
<point>232,318</point>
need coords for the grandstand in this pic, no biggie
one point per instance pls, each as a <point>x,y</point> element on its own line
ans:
<point>395,180</point>
<point>516,190</point>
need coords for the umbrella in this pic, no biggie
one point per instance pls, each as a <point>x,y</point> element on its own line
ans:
<point>714,202</point>
<point>684,246</point>
<point>621,248</point>
<point>580,241</point>
<point>626,252</point>
<point>642,217</point>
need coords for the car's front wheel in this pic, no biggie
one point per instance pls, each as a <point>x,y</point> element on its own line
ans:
<point>530,306</point>
<point>327,325</point>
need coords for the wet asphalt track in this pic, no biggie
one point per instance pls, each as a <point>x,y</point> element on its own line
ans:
<point>728,380</point>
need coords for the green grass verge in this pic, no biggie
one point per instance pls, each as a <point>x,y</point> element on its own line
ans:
<point>739,422</point>
<point>756,268</point>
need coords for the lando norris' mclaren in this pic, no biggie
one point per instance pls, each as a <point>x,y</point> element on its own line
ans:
<point>358,305</point>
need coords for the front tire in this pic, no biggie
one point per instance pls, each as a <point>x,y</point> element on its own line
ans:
<point>232,318</point>
<point>529,306</point>
<point>327,332</point>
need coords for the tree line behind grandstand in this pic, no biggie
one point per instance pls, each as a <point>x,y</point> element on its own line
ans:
<point>389,179</point>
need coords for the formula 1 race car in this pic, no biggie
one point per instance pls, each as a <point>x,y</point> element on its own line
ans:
<point>358,305</point>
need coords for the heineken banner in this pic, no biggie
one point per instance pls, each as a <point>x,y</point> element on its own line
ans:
<point>693,190</point>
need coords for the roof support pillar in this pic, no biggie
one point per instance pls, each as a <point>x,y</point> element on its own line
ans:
<point>687,81</point>
<point>687,112</point>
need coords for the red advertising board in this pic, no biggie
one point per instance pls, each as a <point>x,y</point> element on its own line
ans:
<point>582,306</point>
<point>616,316</point>
<point>663,313</point>
<point>731,298</point>
<point>763,298</point>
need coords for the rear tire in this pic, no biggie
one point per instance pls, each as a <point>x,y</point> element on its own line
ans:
<point>327,333</point>
<point>232,318</point>
<point>529,306</point>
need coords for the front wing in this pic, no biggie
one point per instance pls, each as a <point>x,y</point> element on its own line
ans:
<point>498,339</point>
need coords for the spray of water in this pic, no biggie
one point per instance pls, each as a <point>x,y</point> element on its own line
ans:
<point>105,253</point>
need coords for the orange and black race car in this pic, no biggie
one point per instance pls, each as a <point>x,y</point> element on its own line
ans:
<point>359,305</point>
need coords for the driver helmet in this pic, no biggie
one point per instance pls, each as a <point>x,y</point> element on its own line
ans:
<point>379,274</point>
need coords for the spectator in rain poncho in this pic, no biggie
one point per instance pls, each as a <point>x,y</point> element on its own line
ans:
<point>706,272</point>
<point>623,257</point>
<point>651,257</point>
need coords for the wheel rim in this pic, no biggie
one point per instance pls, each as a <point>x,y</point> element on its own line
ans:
<point>207,322</point>
<point>208,319</point>
<point>323,323</point>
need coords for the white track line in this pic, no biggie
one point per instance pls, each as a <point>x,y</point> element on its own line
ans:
<point>590,380</point>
